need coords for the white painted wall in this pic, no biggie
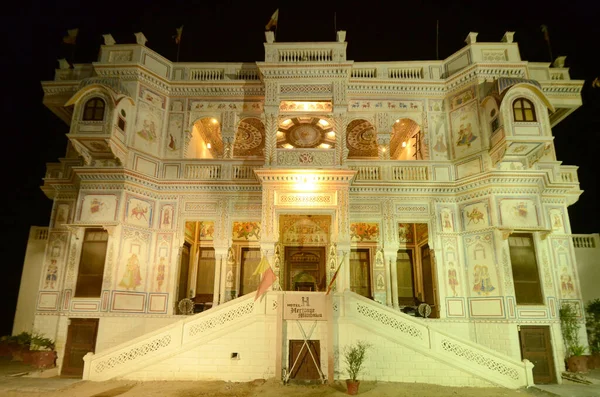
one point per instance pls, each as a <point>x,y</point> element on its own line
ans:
<point>587,254</point>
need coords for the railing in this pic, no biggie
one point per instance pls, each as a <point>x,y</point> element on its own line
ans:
<point>243,172</point>
<point>203,172</point>
<point>406,73</point>
<point>568,174</point>
<point>133,355</point>
<point>40,233</point>
<point>388,171</point>
<point>422,336</point>
<point>247,74</point>
<point>206,74</point>
<point>305,55</point>
<point>585,241</point>
<point>369,73</point>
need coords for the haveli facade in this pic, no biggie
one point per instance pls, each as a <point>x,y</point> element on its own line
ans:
<point>429,181</point>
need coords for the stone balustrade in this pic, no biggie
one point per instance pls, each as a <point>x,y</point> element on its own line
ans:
<point>544,72</point>
<point>568,174</point>
<point>585,240</point>
<point>392,171</point>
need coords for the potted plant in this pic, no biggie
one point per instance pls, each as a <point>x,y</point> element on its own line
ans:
<point>31,348</point>
<point>593,329</point>
<point>569,323</point>
<point>354,357</point>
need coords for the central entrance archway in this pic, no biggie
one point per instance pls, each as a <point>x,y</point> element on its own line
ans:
<point>305,269</point>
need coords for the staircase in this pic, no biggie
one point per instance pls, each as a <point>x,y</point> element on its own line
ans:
<point>405,349</point>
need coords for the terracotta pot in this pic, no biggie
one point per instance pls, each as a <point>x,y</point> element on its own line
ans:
<point>17,352</point>
<point>352,386</point>
<point>594,361</point>
<point>42,358</point>
<point>577,364</point>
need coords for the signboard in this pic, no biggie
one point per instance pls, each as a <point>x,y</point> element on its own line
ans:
<point>309,306</point>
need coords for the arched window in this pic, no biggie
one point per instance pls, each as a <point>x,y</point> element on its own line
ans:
<point>94,110</point>
<point>523,110</point>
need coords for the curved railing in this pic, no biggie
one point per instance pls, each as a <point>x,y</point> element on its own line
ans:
<point>424,337</point>
<point>167,341</point>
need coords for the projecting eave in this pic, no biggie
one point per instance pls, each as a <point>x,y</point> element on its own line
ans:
<point>56,95</point>
<point>565,96</point>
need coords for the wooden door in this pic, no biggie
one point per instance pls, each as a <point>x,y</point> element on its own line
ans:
<point>184,271</point>
<point>81,339</point>
<point>537,348</point>
<point>305,368</point>
<point>360,272</point>
<point>429,282</point>
<point>305,268</point>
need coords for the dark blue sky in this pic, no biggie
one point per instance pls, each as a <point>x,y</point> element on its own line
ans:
<point>228,30</point>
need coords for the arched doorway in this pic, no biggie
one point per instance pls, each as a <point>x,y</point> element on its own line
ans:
<point>407,142</point>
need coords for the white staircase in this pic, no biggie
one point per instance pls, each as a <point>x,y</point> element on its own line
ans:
<point>198,346</point>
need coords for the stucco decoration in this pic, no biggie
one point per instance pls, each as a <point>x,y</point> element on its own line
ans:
<point>305,133</point>
<point>361,139</point>
<point>305,229</point>
<point>249,139</point>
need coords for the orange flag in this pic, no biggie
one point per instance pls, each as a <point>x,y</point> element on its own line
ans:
<point>267,279</point>
<point>273,21</point>
<point>179,31</point>
<point>71,37</point>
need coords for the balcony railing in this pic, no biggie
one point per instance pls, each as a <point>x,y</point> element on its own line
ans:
<point>396,171</point>
<point>220,170</point>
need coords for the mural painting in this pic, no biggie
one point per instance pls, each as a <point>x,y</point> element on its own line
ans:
<point>190,231</point>
<point>364,232</point>
<point>247,231</point>
<point>62,214</point>
<point>133,261</point>
<point>138,212</point>
<point>207,231</point>
<point>304,229</point>
<point>147,128</point>
<point>447,220</point>
<point>465,131</point>
<point>174,131</point>
<point>405,233</point>
<point>462,98</point>
<point>439,137</point>
<point>483,275</point>
<point>55,257</point>
<point>476,216</point>
<point>556,220</point>
<point>561,249</point>
<point>161,260</point>
<point>98,208</point>
<point>518,212</point>
<point>166,216</point>
<point>452,278</point>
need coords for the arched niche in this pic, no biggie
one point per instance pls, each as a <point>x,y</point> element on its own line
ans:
<point>408,141</point>
<point>361,139</point>
<point>205,141</point>
<point>250,138</point>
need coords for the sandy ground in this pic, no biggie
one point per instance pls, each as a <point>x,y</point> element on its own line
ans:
<point>271,388</point>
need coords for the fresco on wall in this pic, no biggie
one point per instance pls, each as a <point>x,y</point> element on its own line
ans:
<point>462,98</point>
<point>161,259</point>
<point>152,97</point>
<point>147,128</point>
<point>138,212</point>
<point>61,215</point>
<point>173,141</point>
<point>476,216</point>
<point>190,231</point>
<point>207,231</point>
<point>133,260</point>
<point>304,229</point>
<point>422,232</point>
<point>416,106</point>
<point>166,216</point>
<point>405,233</point>
<point>567,285</point>
<point>483,276</point>
<point>452,278</point>
<point>439,136</point>
<point>364,232</point>
<point>518,212</point>
<point>556,220</point>
<point>98,208</point>
<point>561,250</point>
<point>447,220</point>
<point>466,139</point>
<point>55,257</point>
<point>246,231</point>
<point>436,105</point>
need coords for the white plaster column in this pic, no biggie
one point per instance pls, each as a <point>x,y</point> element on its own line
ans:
<point>220,273</point>
<point>390,259</point>
<point>342,282</point>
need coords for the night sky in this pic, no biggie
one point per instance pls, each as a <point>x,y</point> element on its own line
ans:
<point>225,30</point>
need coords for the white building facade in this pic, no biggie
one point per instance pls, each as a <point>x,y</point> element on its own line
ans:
<point>429,181</point>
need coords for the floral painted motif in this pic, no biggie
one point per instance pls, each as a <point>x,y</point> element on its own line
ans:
<point>246,230</point>
<point>364,231</point>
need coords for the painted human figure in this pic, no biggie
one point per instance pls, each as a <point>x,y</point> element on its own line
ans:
<point>160,275</point>
<point>465,135</point>
<point>166,218</point>
<point>51,274</point>
<point>486,281</point>
<point>440,146</point>
<point>564,278</point>
<point>477,279</point>
<point>132,277</point>
<point>447,222</point>
<point>452,278</point>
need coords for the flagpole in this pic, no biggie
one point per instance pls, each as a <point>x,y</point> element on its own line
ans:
<point>335,24</point>
<point>437,37</point>
<point>547,38</point>
<point>178,48</point>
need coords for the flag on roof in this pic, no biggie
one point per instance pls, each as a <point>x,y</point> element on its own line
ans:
<point>71,36</point>
<point>273,21</point>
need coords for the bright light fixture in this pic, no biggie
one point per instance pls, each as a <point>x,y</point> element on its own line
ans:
<point>214,121</point>
<point>287,146</point>
<point>279,133</point>
<point>286,122</point>
<point>324,123</point>
<point>208,145</point>
<point>325,146</point>
<point>403,144</point>
<point>331,134</point>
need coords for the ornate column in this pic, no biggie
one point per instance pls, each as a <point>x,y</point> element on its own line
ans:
<point>340,124</point>
<point>271,117</point>
<point>343,239</point>
<point>228,130</point>
<point>390,259</point>
<point>384,134</point>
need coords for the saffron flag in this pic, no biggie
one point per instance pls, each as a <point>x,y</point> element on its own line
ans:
<point>267,279</point>
<point>332,282</point>
<point>273,21</point>
<point>178,35</point>
<point>546,34</point>
<point>596,83</point>
<point>71,36</point>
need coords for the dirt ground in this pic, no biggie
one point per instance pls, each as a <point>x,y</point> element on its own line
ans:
<point>271,388</point>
